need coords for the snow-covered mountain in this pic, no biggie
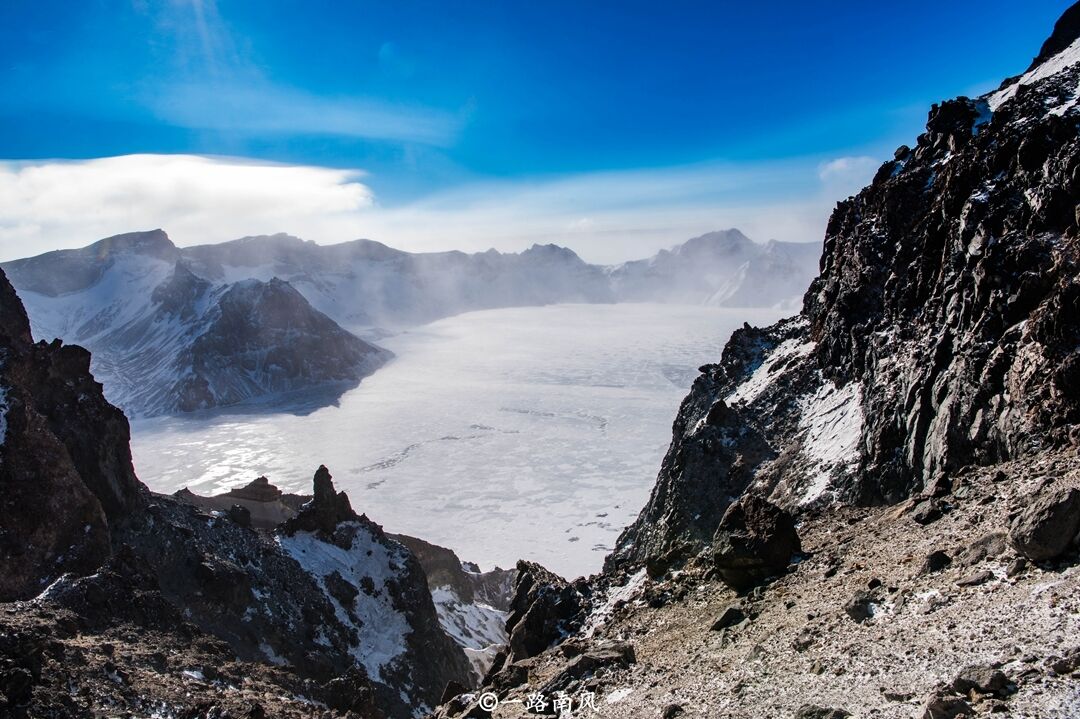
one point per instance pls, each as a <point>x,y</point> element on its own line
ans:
<point>179,329</point>
<point>166,340</point>
<point>722,268</point>
<point>365,283</point>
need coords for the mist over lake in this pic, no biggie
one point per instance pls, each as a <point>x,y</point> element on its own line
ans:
<point>514,433</point>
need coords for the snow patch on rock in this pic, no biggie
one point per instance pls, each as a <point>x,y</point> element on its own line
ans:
<point>769,370</point>
<point>831,419</point>
<point>625,593</point>
<point>478,628</point>
<point>1062,61</point>
<point>381,627</point>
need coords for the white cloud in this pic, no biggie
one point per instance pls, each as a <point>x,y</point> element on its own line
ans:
<point>845,176</point>
<point>604,216</point>
<point>265,109</point>
<point>47,205</point>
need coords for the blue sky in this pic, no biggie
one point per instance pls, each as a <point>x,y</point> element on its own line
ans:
<point>559,120</point>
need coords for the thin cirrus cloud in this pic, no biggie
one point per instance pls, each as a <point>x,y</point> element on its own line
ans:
<point>265,109</point>
<point>604,216</point>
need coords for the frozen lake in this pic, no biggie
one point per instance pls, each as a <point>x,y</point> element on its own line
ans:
<point>517,433</point>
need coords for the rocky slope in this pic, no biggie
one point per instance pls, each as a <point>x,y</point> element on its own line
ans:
<point>165,340</point>
<point>116,600</point>
<point>872,508</point>
<point>471,605</point>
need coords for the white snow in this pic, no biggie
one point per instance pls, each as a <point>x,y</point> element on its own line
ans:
<point>831,420</point>
<point>769,370</point>
<point>625,593</point>
<point>476,626</point>
<point>382,628</point>
<point>618,695</point>
<point>1052,66</point>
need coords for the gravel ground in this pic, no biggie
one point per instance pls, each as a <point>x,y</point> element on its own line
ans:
<point>912,630</point>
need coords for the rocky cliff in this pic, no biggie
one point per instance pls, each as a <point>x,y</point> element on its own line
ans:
<point>65,466</point>
<point>941,333</point>
<point>871,508</point>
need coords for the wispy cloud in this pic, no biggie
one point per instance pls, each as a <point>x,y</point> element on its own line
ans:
<point>606,217</point>
<point>261,109</point>
<point>219,85</point>
<point>845,176</point>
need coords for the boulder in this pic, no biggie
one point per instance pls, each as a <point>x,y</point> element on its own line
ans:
<point>940,705</point>
<point>755,540</point>
<point>729,618</point>
<point>982,679</point>
<point>1046,528</point>
<point>935,562</point>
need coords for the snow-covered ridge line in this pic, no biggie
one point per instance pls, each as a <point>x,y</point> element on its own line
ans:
<point>1062,61</point>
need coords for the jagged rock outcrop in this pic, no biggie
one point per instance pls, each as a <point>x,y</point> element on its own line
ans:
<point>471,605</point>
<point>444,568</point>
<point>379,592</point>
<point>545,608</point>
<point>65,466</point>
<point>942,331</point>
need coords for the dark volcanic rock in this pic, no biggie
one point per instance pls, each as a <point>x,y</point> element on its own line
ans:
<point>324,511</point>
<point>982,679</point>
<point>755,540</point>
<point>729,618</point>
<point>545,608</point>
<point>65,466</point>
<point>445,569</point>
<point>1048,525</point>
<point>265,338</point>
<point>812,711</point>
<point>935,562</point>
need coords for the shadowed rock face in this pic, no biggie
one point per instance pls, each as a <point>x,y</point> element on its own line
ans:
<point>65,466</point>
<point>942,331</point>
<point>263,339</point>
<point>755,540</point>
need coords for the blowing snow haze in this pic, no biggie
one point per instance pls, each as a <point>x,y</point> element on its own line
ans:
<point>497,361</point>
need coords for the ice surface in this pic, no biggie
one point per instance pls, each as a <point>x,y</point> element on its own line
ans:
<point>530,433</point>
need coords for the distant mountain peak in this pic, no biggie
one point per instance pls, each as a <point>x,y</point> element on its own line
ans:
<point>155,243</point>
